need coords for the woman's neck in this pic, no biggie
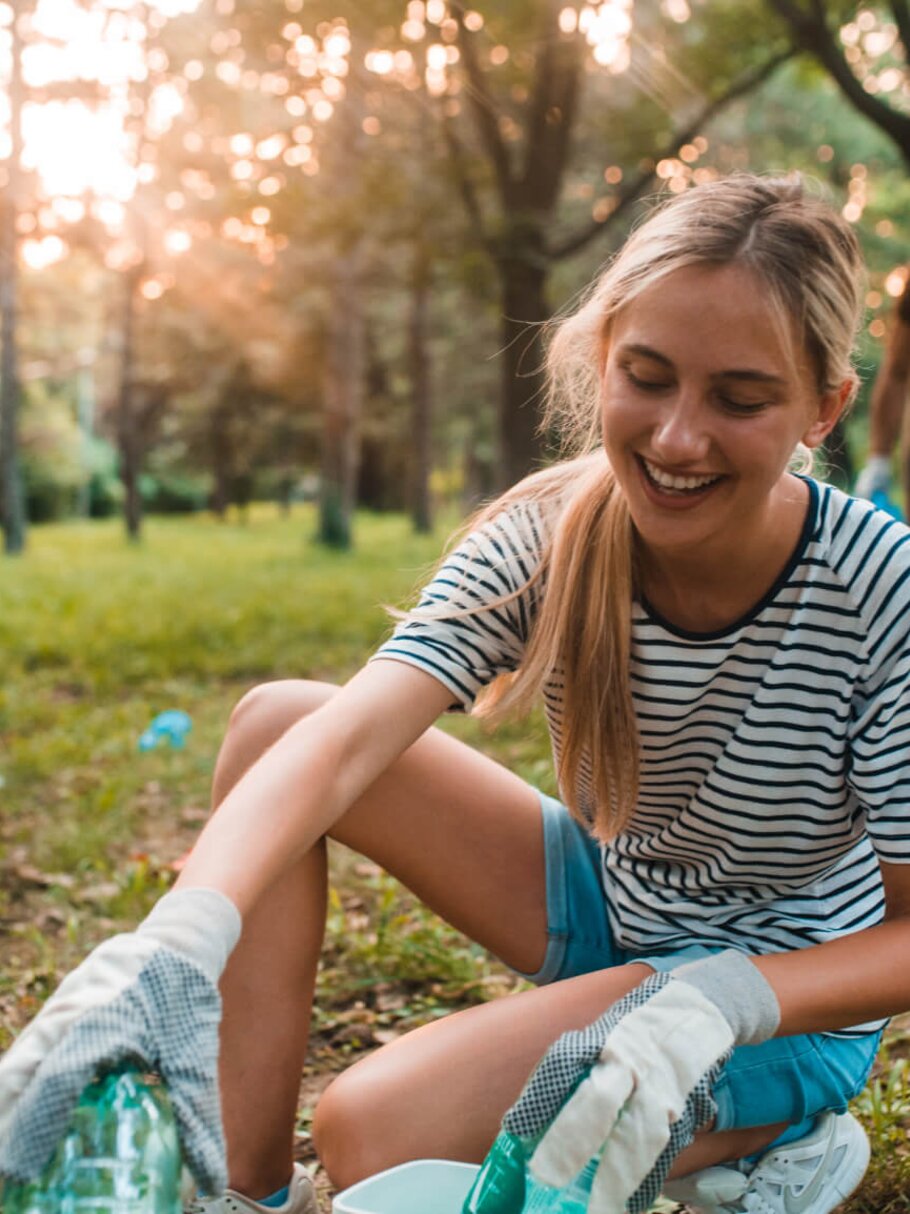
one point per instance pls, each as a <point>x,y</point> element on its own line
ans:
<point>714,585</point>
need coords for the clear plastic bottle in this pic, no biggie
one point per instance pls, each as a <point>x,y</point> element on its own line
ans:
<point>120,1155</point>
<point>573,1199</point>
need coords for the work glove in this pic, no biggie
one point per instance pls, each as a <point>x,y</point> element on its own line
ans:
<point>149,995</point>
<point>874,477</point>
<point>638,1082</point>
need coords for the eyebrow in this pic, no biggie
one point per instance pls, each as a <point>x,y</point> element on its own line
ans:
<point>743,374</point>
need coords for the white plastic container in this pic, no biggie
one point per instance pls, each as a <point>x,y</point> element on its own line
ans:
<point>424,1186</point>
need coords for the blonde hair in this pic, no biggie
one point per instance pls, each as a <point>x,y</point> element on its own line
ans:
<point>809,260</point>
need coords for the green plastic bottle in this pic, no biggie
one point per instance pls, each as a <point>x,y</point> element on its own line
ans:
<point>504,1184</point>
<point>500,1184</point>
<point>120,1155</point>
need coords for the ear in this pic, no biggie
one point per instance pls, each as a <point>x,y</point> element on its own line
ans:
<point>830,407</point>
<point>603,350</point>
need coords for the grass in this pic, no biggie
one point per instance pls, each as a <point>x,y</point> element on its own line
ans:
<point>97,637</point>
<point>100,637</point>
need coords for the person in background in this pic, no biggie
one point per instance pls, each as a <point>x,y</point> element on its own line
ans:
<point>889,427</point>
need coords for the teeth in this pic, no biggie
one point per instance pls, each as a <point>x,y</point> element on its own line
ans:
<point>667,481</point>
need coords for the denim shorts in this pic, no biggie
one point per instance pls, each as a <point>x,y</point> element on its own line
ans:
<point>787,1079</point>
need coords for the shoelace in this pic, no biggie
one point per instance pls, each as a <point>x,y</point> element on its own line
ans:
<point>754,1203</point>
<point>720,1190</point>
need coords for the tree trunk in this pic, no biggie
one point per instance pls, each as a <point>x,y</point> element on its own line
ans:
<point>521,446</point>
<point>478,473</point>
<point>343,402</point>
<point>345,366</point>
<point>129,439</point>
<point>221,454</point>
<point>421,391</point>
<point>13,502</point>
<point>85,409</point>
<point>221,462</point>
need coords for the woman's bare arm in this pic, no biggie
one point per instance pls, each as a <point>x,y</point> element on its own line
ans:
<point>300,787</point>
<point>865,976</point>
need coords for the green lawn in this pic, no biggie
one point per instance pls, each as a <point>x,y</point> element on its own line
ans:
<point>97,637</point>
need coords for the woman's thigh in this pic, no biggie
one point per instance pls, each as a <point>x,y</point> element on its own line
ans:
<point>441,1090</point>
<point>460,830</point>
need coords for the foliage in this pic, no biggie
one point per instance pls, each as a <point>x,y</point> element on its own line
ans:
<point>52,456</point>
<point>237,220</point>
<point>885,1105</point>
<point>884,1108</point>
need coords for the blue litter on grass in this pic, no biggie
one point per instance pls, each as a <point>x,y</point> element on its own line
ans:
<point>169,728</point>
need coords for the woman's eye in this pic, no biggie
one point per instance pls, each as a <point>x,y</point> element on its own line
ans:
<point>744,407</point>
<point>647,385</point>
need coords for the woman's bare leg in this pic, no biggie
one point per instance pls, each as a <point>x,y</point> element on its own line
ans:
<point>465,835</point>
<point>440,1092</point>
<point>460,830</point>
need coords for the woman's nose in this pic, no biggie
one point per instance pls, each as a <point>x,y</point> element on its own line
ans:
<point>681,434</point>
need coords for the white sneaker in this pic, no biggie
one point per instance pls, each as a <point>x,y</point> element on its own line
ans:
<point>301,1199</point>
<point>812,1175</point>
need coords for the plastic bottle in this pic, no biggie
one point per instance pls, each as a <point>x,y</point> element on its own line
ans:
<point>170,728</point>
<point>501,1181</point>
<point>573,1199</point>
<point>120,1155</point>
<point>504,1184</point>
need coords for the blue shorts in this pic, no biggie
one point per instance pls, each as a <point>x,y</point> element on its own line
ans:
<point>787,1079</point>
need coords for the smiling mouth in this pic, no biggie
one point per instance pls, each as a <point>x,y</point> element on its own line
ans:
<point>681,486</point>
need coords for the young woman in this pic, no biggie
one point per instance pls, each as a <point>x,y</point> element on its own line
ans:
<point>718,918</point>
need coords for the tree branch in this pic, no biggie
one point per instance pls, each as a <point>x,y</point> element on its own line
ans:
<point>636,187</point>
<point>484,109</point>
<point>554,95</point>
<point>901,14</point>
<point>813,35</point>
<point>541,93</point>
<point>555,103</point>
<point>466,189</point>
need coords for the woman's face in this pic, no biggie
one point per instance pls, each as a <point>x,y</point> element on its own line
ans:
<point>702,407</point>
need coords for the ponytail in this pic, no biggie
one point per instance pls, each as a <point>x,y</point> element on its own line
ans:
<point>581,642</point>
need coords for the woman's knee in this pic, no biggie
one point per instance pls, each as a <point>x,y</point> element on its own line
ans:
<point>351,1129</point>
<point>258,720</point>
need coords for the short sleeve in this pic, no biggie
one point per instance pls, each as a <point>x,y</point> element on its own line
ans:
<point>880,733</point>
<point>473,620</point>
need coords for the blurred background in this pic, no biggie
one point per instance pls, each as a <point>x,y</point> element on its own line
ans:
<point>283,250</point>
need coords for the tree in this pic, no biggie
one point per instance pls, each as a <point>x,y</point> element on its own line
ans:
<point>12,514</point>
<point>345,331</point>
<point>526,154</point>
<point>818,29</point>
<point>866,53</point>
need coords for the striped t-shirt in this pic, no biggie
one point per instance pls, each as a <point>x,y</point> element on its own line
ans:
<point>774,753</point>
